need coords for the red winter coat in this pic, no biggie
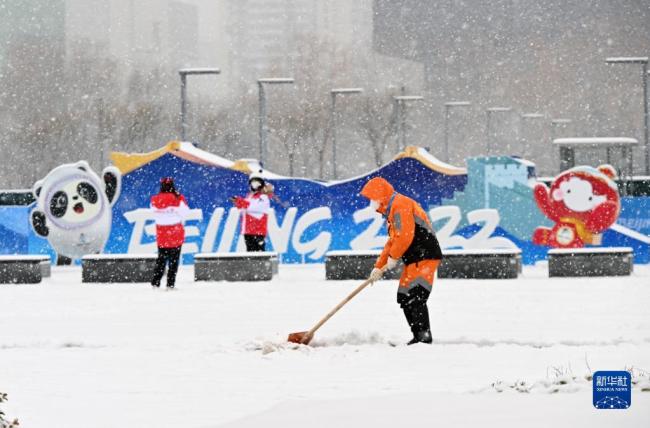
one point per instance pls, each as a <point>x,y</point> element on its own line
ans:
<point>256,207</point>
<point>169,213</point>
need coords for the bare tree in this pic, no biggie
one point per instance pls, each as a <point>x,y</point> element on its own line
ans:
<point>92,106</point>
<point>378,121</point>
<point>300,131</point>
<point>300,117</point>
<point>228,131</point>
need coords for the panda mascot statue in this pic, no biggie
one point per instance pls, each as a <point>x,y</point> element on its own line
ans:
<point>74,208</point>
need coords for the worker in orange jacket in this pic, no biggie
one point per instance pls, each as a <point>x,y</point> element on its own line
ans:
<point>411,239</point>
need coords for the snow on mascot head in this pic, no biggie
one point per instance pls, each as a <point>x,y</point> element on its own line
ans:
<point>73,208</point>
<point>582,202</point>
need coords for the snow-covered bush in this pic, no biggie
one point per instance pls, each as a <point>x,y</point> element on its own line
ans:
<point>3,422</point>
<point>562,379</point>
<point>640,378</point>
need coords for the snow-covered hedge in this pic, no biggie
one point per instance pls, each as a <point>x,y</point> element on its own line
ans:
<point>560,379</point>
<point>3,422</point>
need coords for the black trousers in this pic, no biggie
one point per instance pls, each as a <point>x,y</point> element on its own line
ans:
<point>414,305</point>
<point>255,242</point>
<point>166,256</point>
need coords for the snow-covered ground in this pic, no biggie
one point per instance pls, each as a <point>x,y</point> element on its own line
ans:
<point>79,355</point>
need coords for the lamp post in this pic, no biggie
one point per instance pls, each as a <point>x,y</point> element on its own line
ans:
<point>263,129</point>
<point>643,61</point>
<point>101,132</point>
<point>489,112</point>
<point>183,73</point>
<point>333,93</point>
<point>525,118</point>
<point>400,110</point>
<point>557,123</point>
<point>567,156</point>
<point>448,106</point>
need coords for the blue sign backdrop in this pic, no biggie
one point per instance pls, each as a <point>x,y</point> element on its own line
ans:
<point>490,204</point>
<point>315,217</point>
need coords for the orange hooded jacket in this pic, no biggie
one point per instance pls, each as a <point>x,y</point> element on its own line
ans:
<point>411,236</point>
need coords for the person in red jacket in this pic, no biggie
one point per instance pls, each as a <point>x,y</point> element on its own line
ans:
<point>169,210</point>
<point>255,206</point>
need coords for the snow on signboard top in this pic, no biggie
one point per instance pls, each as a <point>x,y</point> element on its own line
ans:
<point>127,162</point>
<point>206,156</point>
<point>596,141</point>
<point>437,162</point>
<point>631,233</point>
<point>252,165</point>
<point>419,153</point>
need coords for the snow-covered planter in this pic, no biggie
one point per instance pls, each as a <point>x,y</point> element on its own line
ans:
<point>244,266</point>
<point>355,264</point>
<point>489,263</point>
<point>605,261</point>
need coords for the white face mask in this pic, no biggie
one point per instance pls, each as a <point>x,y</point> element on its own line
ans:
<point>374,205</point>
<point>255,185</point>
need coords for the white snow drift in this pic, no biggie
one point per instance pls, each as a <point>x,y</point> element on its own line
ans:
<point>79,355</point>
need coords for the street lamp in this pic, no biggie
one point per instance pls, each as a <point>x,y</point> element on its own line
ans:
<point>566,155</point>
<point>448,106</point>
<point>557,123</point>
<point>333,93</point>
<point>643,60</point>
<point>262,110</point>
<point>527,117</point>
<point>489,112</point>
<point>184,72</point>
<point>400,109</point>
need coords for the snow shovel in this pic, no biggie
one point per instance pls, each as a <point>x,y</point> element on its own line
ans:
<point>304,337</point>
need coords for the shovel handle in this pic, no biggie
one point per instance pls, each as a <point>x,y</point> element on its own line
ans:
<point>336,308</point>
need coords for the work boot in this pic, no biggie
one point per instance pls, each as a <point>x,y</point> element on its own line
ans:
<point>425,337</point>
<point>412,341</point>
<point>421,337</point>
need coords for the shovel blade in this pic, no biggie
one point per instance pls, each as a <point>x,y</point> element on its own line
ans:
<point>299,337</point>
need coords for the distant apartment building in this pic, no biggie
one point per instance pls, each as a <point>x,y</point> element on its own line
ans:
<point>268,36</point>
<point>183,33</point>
<point>262,34</point>
<point>137,33</point>
<point>32,57</point>
<point>31,30</point>
<point>348,23</point>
